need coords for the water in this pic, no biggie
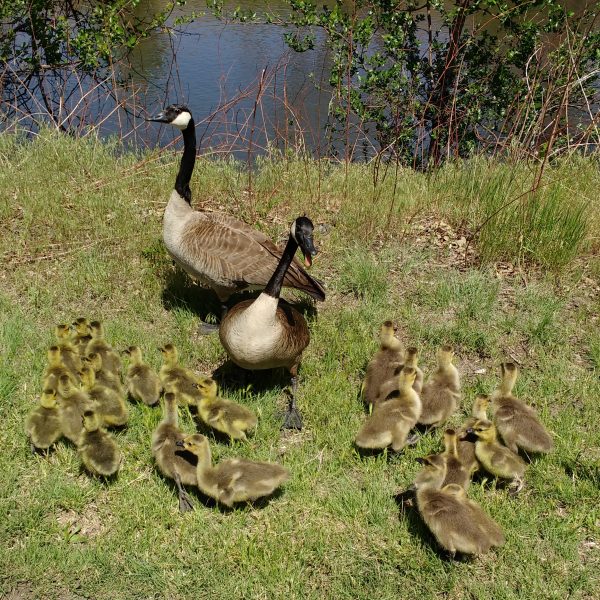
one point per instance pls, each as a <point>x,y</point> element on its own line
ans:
<point>220,71</point>
<point>220,64</point>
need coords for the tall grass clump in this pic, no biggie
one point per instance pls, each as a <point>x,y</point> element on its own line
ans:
<point>514,217</point>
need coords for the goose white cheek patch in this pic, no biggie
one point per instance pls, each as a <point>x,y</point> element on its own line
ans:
<point>182,120</point>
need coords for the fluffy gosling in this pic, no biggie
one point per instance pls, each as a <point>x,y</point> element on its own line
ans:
<point>441,392</point>
<point>234,480</point>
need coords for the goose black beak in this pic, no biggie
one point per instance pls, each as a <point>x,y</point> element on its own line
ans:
<point>309,251</point>
<point>180,444</point>
<point>159,118</point>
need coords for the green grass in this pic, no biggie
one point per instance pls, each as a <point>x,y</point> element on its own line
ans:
<point>81,235</point>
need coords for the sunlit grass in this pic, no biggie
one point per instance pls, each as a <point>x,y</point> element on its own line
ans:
<point>81,236</point>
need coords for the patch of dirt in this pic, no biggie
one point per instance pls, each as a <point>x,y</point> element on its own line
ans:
<point>451,242</point>
<point>85,525</point>
<point>24,591</point>
<point>589,551</point>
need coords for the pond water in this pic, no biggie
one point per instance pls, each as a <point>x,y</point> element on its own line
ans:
<point>246,89</point>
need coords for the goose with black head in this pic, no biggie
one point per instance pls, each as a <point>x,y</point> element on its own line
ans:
<point>214,248</point>
<point>266,332</point>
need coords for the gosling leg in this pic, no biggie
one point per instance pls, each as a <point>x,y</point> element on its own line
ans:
<point>185,502</point>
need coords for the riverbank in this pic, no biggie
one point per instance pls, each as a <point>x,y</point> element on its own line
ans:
<point>81,236</point>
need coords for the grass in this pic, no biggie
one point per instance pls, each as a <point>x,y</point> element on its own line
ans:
<point>81,235</point>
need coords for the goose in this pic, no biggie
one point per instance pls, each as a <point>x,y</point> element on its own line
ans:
<point>265,333</point>
<point>383,366</point>
<point>98,450</point>
<point>216,249</point>
<point>43,423</point>
<point>441,392</point>
<point>496,458</point>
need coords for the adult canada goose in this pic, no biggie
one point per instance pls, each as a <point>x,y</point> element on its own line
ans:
<point>218,250</point>
<point>265,333</point>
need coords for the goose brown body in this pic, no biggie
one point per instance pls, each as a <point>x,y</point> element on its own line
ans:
<point>225,254</point>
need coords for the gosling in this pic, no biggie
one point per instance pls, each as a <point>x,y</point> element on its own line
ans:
<point>458,524</point>
<point>383,365</point>
<point>178,379</point>
<point>517,423</point>
<point>72,405</point>
<point>223,415</point>
<point>441,393</point>
<point>98,450</point>
<point>43,423</point>
<point>495,458</point>
<point>172,463</point>
<point>142,382</point>
<point>392,420</point>
<point>110,405</point>
<point>110,359</point>
<point>234,480</point>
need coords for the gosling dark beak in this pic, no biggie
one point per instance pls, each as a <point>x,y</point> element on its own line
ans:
<point>470,431</point>
<point>160,349</point>
<point>125,351</point>
<point>180,444</point>
<point>420,460</point>
<point>159,118</point>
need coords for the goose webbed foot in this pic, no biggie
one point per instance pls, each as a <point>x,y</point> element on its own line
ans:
<point>292,419</point>
<point>209,328</point>
<point>411,440</point>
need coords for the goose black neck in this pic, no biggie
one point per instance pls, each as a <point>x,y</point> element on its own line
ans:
<point>188,159</point>
<point>273,288</point>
